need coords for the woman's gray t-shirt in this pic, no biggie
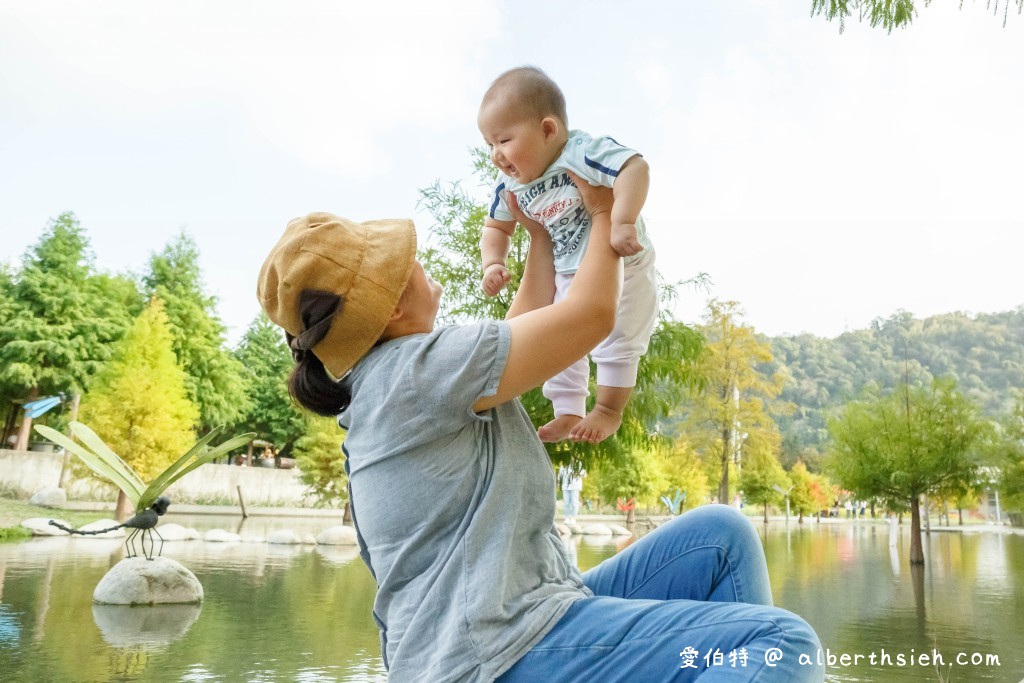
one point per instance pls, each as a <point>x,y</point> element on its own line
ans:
<point>454,510</point>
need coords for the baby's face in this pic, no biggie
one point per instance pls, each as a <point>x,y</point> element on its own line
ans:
<point>522,147</point>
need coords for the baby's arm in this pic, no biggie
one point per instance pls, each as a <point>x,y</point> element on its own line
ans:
<point>630,190</point>
<point>494,247</point>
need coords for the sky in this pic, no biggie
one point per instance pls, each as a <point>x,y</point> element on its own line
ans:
<point>820,179</point>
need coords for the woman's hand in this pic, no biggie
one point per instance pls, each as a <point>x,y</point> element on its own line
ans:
<point>597,199</point>
<point>535,229</point>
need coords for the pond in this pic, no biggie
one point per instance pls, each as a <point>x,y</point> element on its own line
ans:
<point>301,613</point>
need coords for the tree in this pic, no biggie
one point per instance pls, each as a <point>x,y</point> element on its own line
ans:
<point>58,318</point>
<point>138,403</point>
<point>320,461</point>
<point>888,14</point>
<point>729,406</point>
<point>761,474</point>
<point>213,376</point>
<point>1010,457</point>
<point>452,257</point>
<point>914,441</point>
<point>266,363</point>
<point>810,492</point>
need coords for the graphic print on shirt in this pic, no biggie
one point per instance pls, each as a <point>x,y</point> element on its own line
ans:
<point>565,217</point>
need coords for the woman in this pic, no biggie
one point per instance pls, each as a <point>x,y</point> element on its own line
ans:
<point>452,492</point>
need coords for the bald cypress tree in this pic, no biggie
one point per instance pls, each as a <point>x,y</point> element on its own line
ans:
<point>139,404</point>
<point>58,318</point>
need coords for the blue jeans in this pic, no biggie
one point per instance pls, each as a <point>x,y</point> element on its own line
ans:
<point>570,503</point>
<point>689,600</point>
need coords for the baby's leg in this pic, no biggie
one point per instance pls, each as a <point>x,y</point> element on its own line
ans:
<point>606,416</point>
<point>567,390</point>
<point>618,356</point>
<point>568,393</point>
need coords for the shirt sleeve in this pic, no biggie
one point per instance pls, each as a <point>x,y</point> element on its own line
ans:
<point>598,160</point>
<point>455,367</point>
<point>498,207</point>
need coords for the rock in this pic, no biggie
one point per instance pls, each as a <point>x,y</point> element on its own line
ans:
<point>40,526</point>
<point>173,532</point>
<point>123,626</point>
<point>563,530</point>
<point>337,535</point>
<point>221,536</point>
<point>138,581</point>
<point>618,530</point>
<point>308,539</point>
<point>192,535</point>
<point>283,537</point>
<point>49,497</point>
<point>575,529</point>
<point>596,530</point>
<point>250,537</point>
<point>100,525</point>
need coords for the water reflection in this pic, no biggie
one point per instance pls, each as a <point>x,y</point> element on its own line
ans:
<point>123,626</point>
<point>287,613</point>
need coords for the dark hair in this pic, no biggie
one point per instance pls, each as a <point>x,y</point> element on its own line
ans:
<point>310,384</point>
<point>532,89</point>
<point>315,390</point>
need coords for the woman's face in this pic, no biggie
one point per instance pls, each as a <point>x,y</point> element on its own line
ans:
<point>420,300</point>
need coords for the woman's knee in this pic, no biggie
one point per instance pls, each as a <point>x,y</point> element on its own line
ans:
<point>797,658</point>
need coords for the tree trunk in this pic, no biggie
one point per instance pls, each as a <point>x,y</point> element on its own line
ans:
<point>916,554</point>
<point>26,423</point>
<point>346,516</point>
<point>66,462</point>
<point>723,487</point>
<point>927,515</point>
<point>631,516</point>
<point>960,515</point>
<point>800,517</point>
<point>124,507</point>
<point>766,513</point>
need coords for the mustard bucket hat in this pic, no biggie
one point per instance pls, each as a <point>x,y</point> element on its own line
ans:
<point>365,266</point>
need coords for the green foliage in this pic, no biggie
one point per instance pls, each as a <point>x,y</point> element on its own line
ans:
<point>760,475</point>
<point>321,463</point>
<point>637,477</point>
<point>983,353</point>
<point>910,442</point>
<point>1009,458</point>
<point>266,363</point>
<point>888,14</point>
<point>810,493</point>
<point>58,319</point>
<point>138,403</point>
<point>213,375</point>
<point>728,413</point>
<point>452,257</point>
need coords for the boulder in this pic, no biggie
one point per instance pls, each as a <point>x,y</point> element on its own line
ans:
<point>221,536</point>
<point>618,530</point>
<point>173,532</point>
<point>49,497</point>
<point>337,535</point>
<point>40,526</point>
<point>100,525</point>
<point>596,530</point>
<point>283,537</point>
<point>308,539</point>
<point>138,581</point>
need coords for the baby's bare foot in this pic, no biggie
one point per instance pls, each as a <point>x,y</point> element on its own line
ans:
<point>598,425</point>
<point>558,429</point>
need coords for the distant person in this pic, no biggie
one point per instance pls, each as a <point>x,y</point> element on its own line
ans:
<point>452,493</point>
<point>570,478</point>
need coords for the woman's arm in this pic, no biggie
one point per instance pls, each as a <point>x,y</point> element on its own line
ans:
<point>537,288</point>
<point>548,340</point>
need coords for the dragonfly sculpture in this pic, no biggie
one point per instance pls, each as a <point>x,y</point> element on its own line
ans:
<point>148,502</point>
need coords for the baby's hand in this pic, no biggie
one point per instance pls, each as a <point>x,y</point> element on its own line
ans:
<point>624,239</point>
<point>496,276</point>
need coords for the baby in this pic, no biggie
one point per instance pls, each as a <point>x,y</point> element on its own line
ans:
<point>524,123</point>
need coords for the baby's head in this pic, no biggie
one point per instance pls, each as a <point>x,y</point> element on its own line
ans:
<point>522,118</point>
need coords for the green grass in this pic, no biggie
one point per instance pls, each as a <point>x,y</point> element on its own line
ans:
<point>13,512</point>
<point>15,533</point>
